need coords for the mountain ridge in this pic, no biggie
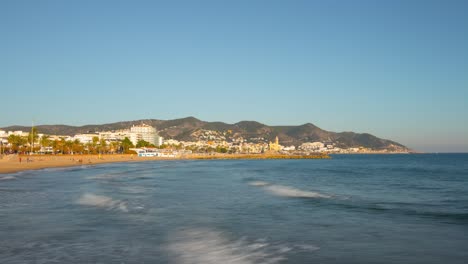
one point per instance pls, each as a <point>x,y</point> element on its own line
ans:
<point>188,129</point>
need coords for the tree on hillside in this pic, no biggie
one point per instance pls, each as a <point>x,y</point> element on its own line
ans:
<point>220,149</point>
<point>163,146</point>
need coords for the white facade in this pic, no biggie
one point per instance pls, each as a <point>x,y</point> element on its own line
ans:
<point>146,133</point>
<point>290,148</point>
<point>3,137</point>
<point>85,138</point>
<point>115,136</point>
<point>312,146</point>
<point>134,137</point>
<point>172,142</point>
<point>18,133</point>
<point>159,141</point>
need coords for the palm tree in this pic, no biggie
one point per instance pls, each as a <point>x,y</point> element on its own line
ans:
<point>56,146</point>
<point>69,145</point>
<point>94,144</point>
<point>77,146</point>
<point>89,147</point>
<point>126,144</point>
<point>16,142</point>
<point>102,145</point>
<point>114,146</point>
<point>32,138</point>
<point>59,145</point>
<point>45,141</point>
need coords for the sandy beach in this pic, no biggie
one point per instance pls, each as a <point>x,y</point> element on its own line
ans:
<point>16,163</point>
<point>12,163</point>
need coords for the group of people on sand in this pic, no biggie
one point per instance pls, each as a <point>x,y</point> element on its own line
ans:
<point>80,160</point>
<point>27,159</point>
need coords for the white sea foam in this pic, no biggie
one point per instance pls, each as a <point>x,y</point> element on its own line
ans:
<point>306,247</point>
<point>89,199</point>
<point>258,183</point>
<point>213,247</point>
<point>6,178</point>
<point>134,189</point>
<point>285,191</point>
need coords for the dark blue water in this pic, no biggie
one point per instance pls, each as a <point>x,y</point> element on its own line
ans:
<point>350,209</point>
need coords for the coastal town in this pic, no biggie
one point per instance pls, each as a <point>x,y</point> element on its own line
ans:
<point>144,140</point>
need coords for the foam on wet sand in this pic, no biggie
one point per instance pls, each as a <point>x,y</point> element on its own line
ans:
<point>202,245</point>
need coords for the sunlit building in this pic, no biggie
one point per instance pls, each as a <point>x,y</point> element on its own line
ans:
<point>146,133</point>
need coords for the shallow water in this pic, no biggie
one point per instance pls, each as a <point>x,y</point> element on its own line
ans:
<point>350,209</point>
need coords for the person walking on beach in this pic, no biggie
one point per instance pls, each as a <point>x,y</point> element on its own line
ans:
<point>20,159</point>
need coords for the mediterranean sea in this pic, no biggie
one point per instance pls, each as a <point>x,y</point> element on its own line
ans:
<point>348,209</point>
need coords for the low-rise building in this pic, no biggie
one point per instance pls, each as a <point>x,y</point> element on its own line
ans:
<point>85,138</point>
<point>312,146</point>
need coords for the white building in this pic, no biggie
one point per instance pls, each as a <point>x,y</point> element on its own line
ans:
<point>290,148</point>
<point>172,142</point>
<point>146,133</point>
<point>18,133</point>
<point>3,137</point>
<point>115,136</point>
<point>312,146</point>
<point>85,138</point>
<point>159,141</point>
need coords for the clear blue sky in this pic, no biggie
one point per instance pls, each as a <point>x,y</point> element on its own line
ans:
<point>396,69</point>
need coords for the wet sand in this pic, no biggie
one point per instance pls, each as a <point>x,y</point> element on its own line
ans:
<point>12,163</point>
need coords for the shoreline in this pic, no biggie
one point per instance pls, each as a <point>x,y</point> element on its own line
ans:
<point>12,163</point>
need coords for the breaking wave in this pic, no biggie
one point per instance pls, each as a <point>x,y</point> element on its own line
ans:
<point>293,192</point>
<point>285,191</point>
<point>258,183</point>
<point>6,178</point>
<point>89,199</point>
<point>213,247</point>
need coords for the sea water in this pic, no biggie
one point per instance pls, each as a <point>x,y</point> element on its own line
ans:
<point>350,209</point>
